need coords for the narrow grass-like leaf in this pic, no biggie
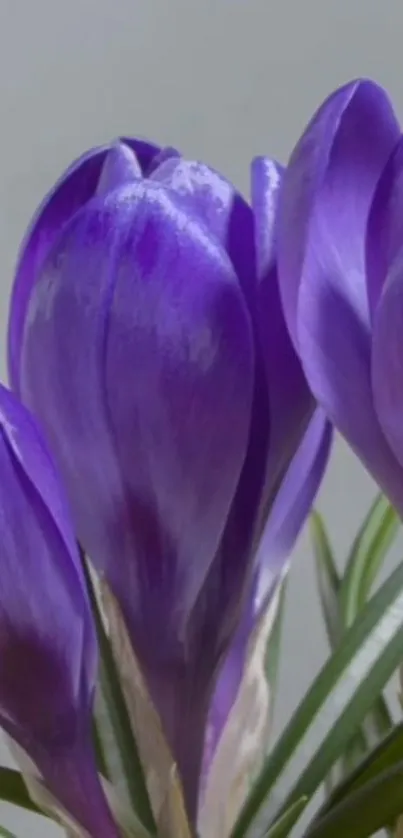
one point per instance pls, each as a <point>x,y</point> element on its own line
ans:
<point>272,654</point>
<point>387,753</point>
<point>284,825</point>
<point>13,790</point>
<point>367,555</point>
<point>374,535</point>
<point>373,806</point>
<point>335,705</point>
<point>327,577</point>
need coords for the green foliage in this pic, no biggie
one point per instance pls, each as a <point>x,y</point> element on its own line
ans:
<point>344,711</point>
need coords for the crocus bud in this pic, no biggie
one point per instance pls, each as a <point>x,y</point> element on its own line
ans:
<point>147,334</point>
<point>339,244</point>
<point>47,642</point>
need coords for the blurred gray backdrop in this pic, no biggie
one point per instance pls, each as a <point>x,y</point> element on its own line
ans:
<point>223,80</point>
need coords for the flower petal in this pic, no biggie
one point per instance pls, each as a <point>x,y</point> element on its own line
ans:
<point>73,189</point>
<point>290,400</point>
<point>327,194</point>
<point>385,226</point>
<point>219,205</point>
<point>147,153</point>
<point>292,505</point>
<point>385,286</point>
<point>192,337</point>
<point>120,167</point>
<point>47,640</point>
<point>387,361</point>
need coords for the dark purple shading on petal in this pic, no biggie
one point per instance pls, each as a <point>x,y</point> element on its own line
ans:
<point>327,193</point>
<point>288,515</point>
<point>387,360</point>
<point>47,639</point>
<point>385,287</point>
<point>291,403</point>
<point>138,359</point>
<point>385,226</point>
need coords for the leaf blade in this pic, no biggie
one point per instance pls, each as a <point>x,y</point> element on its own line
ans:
<point>6,832</point>
<point>13,790</point>
<point>367,554</point>
<point>328,578</point>
<point>334,706</point>
<point>375,805</point>
<point>388,753</point>
<point>285,823</point>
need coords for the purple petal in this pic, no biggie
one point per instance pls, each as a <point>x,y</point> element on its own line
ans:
<point>223,210</point>
<point>192,338</point>
<point>72,191</point>
<point>387,360</point>
<point>227,216</point>
<point>326,198</point>
<point>385,226</point>
<point>120,167</point>
<point>292,504</point>
<point>165,154</point>
<point>138,359</point>
<point>147,153</point>
<point>74,188</point>
<point>328,188</point>
<point>47,641</point>
<point>385,286</point>
<point>291,402</point>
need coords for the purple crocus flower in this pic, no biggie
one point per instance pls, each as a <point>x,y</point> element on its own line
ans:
<point>47,642</point>
<point>147,334</point>
<point>339,246</point>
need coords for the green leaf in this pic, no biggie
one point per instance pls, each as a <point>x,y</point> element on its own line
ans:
<point>379,721</point>
<point>366,557</point>
<point>119,738</point>
<point>327,577</point>
<point>272,654</point>
<point>388,753</point>
<point>13,790</point>
<point>338,700</point>
<point>373,806</point>
<point>375,532</point>
<point>284,825</point>
<point>6,832</point>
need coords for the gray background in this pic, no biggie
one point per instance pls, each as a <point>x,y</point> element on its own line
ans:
<point>223,80</point>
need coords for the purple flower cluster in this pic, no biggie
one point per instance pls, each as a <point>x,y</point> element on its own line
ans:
<point>183,352</point>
